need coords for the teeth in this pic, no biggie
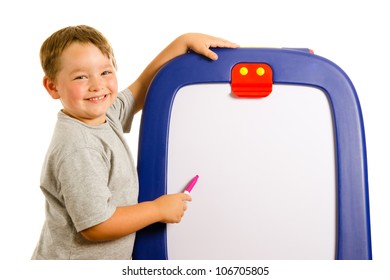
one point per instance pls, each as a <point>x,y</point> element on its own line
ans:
<point>97,98</point>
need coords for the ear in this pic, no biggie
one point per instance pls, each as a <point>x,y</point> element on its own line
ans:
<point>51,88</point>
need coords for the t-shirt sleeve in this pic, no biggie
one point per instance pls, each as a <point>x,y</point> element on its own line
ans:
<point>124,109</point>
<point>83,176</point>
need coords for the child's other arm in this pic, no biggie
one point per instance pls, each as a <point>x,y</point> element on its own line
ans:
<point>200,43</point>
<point>129,219</point>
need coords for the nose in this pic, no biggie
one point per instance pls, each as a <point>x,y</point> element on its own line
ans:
<point>95,83</point>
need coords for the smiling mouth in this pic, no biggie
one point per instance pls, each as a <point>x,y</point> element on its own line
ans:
<point>98,98</point>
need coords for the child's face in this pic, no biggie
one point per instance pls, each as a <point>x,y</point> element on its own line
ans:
<point>86,83</point>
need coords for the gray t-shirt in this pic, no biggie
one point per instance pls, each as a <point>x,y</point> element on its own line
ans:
<point>88,172</point>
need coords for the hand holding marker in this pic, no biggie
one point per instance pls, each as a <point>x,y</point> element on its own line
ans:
<point>191,185</point>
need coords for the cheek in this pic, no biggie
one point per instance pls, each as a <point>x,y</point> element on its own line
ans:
<point>76,92</point>
<point>113,85</point>
<point>73,93</point>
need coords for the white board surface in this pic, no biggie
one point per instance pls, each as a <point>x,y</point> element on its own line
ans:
<point>267,174</point>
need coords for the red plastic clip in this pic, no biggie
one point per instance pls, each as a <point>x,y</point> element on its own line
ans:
<point>251,80</point>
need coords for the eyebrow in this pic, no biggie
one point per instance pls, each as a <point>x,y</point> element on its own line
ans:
<point>79,69</point>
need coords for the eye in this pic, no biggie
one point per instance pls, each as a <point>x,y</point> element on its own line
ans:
<point>107,72</point>
<point>81,77</point>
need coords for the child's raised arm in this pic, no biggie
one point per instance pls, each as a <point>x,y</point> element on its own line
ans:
<point>200,43</point>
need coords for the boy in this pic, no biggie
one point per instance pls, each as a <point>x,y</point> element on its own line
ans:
<point>88,178</point>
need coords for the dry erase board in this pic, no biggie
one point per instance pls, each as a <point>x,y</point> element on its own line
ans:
<point>264,191</point>
<point>282,176</point>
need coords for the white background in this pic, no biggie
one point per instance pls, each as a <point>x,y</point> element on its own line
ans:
<point>353,34</point>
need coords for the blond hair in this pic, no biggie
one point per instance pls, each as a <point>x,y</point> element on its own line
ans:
<point>53,46</point>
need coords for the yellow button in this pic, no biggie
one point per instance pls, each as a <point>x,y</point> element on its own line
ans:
<point>260,71</point>
<point>243,71</point>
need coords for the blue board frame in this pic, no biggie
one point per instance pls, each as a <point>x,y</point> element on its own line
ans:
<point>290,66</point>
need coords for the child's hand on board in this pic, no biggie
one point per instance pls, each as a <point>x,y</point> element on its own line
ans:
<point>171,207</point>
<point>201,43</point>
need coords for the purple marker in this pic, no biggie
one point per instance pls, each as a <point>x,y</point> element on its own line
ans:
<point>191,185</point>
